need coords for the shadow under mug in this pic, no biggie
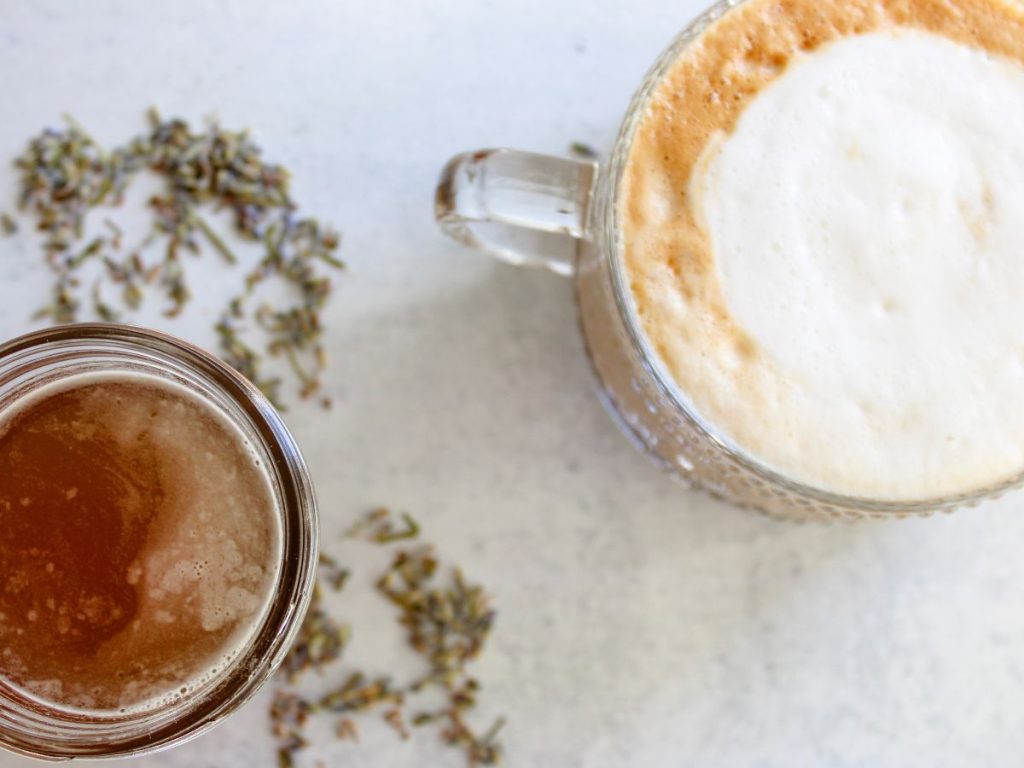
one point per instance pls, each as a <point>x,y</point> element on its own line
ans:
<point>562,214</point>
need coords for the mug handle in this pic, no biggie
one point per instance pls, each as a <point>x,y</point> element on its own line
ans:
<point>523,208</point>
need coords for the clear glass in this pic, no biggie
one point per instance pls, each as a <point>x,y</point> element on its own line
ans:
<point>561,214</point>
<point>38,729</point>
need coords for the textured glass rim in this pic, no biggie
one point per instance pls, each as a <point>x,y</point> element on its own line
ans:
<point>52,734</point>
<point>607,228</point>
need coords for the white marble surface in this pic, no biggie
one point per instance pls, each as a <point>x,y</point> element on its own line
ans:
<point>640,624</point>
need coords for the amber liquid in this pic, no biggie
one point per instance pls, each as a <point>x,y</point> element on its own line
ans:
<point>139,542</point>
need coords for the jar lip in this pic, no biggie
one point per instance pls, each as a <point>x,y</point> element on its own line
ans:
<point>127,334</point>
<point>39,730</point>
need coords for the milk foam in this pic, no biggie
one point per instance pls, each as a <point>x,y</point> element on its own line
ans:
<point>866,226</point>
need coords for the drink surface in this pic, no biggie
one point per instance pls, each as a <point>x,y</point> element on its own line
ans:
<point>139,541</point>
<point>823,232</point>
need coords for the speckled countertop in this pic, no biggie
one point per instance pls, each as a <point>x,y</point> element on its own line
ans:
<point>640,624</point>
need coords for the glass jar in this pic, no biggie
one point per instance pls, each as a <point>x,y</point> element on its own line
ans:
<point>39,728</point>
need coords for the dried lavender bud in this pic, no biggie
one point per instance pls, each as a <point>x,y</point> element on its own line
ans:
<point>64,174</point>
<point>583,151</point>
<point>321,641</point>
<point>447,623</point>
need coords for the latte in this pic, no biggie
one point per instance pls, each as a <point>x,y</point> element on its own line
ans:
<point>822,222</point>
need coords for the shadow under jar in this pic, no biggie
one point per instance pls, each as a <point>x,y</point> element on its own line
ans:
<point>159,541</point>
<point>709,90</point>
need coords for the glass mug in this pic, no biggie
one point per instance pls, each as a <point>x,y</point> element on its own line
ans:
<point>561,214</point>
<point>37,728</point>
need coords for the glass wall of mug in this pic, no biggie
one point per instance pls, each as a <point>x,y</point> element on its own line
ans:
<point>39,727</point>
<point>561,214</point>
